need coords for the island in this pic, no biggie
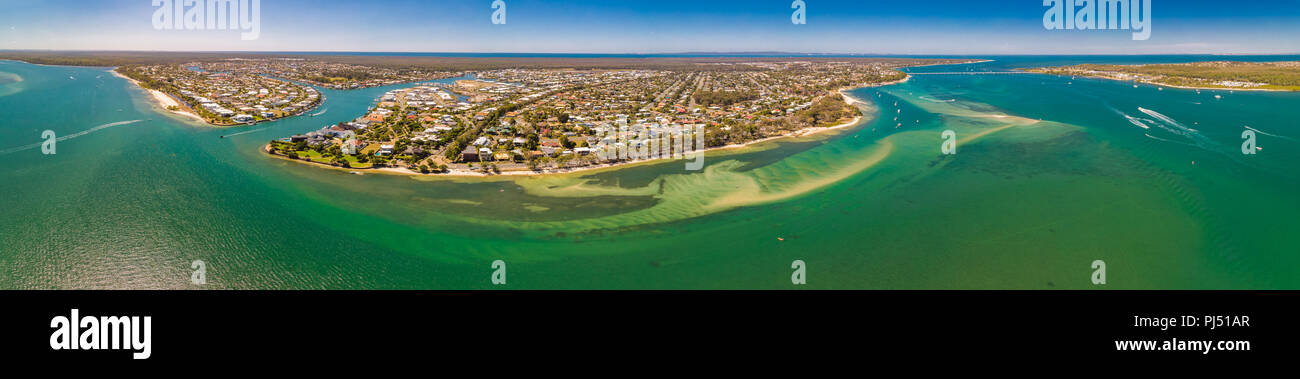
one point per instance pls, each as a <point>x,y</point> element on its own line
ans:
<point>1258,76</point>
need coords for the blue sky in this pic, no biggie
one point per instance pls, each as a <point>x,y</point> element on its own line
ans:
<point>663,26</point>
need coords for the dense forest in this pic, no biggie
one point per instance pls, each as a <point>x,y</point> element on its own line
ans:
<point>825,112</point>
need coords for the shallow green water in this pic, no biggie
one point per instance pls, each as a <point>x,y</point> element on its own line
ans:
<point>1023,204</point>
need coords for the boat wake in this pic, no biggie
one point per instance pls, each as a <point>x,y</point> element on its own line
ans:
<point>68,137</point>
<point>1134,120</point>
<point>1167,120</point>
<point>931,99</point>
<point>1270,134</point>
<point>321,112</point>
<point>1157,138</point>
<point>1169,124</point>
<point>246,132</point>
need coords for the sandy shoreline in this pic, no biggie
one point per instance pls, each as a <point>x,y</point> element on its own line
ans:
<point>1203,88</point>
<point>473,173</point>
<point>462,173</point>
<point>163,100</point>
<point>1157,84</point>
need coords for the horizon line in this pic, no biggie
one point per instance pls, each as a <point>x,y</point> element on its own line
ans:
<point>706,53</point>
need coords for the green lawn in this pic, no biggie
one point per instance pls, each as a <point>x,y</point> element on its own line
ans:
<point>317,157</point>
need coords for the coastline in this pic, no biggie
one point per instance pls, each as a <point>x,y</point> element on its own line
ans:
<point>1158,84</point>
<point>464,173</point>
<point>163,100</point>
<point>1200,88</point>
<point>976,61</point>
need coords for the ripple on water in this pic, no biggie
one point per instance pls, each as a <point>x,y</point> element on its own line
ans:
<point>10,83</point>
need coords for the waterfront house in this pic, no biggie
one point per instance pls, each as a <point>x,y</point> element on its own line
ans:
<point>470,154</point>
<point>352,147</point>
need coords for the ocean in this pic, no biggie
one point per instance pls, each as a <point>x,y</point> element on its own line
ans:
<point>1051,173</point>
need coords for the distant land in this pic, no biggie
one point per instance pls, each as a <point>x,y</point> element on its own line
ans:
<point>1263,76</point>
<point>424,61</point>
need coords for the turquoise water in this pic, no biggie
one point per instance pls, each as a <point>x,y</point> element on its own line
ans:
<point>134,195</point>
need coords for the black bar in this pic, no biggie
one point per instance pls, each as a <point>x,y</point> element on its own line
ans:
<point>362,325</point>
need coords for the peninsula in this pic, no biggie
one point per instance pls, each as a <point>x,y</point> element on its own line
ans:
<point>1265,76</point>
<point>504,115</point>
<point>222,98</point>
<point>543,120</point>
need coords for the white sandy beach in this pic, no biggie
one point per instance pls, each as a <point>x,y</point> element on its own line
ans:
<point>163,100</point>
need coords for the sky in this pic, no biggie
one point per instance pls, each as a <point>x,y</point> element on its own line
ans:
<point>664,26</point>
